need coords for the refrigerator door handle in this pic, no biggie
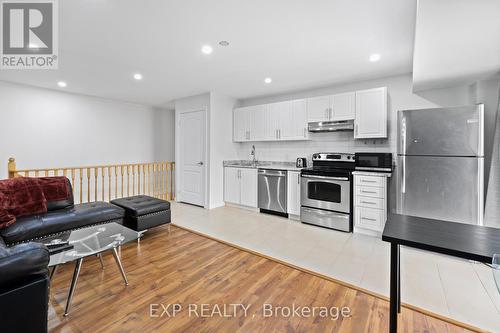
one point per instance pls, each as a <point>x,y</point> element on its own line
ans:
<point>403,134</point>
<point>403,175</point>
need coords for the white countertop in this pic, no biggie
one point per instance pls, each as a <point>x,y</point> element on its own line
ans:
<point>372,173</point>
<point>274,165</point>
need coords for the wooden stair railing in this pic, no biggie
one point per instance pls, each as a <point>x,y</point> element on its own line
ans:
<point>108,182</point>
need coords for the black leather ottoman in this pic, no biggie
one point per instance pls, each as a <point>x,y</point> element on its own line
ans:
<point>143,212</point>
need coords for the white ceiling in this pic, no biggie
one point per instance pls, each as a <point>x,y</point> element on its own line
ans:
<point>456,42</point>
<point>299,43</point>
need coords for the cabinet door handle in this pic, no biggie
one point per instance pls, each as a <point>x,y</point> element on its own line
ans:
<point>298,179</point>
<point>367,202</point>
<point>372,192</point>
<point>368,219</point>
<point>368,181</point>
<point>305,132</point>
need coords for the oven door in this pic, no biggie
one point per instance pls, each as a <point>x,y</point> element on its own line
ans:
<point>332,193</point>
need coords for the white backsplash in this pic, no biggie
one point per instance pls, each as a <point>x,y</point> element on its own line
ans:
<point>341,142</point>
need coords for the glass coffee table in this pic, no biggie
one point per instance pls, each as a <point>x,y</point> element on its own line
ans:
<point>75,245</point>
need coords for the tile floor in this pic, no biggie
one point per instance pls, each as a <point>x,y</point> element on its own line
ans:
<point>448,286</point>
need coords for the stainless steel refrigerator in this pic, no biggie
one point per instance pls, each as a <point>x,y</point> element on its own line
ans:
<point>440,163</point>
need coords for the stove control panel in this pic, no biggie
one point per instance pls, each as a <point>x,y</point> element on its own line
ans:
<point>334,157</point>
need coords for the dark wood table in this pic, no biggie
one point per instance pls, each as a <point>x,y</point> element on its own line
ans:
<point>464,241</point>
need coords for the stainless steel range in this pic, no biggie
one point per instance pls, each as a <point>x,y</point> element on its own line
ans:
<point>326,191</point>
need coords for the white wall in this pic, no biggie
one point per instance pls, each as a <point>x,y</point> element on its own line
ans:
<point>164,135</point>
<point>46,128</point>
<point>222,146</point>
<point>401,97</point>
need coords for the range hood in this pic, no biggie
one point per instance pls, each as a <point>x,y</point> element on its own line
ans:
<point>332,126</point>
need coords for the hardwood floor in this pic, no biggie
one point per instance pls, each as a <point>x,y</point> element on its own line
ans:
<point>180,267</point>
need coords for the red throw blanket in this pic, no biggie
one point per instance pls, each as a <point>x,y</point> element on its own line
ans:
<point>24,196</point>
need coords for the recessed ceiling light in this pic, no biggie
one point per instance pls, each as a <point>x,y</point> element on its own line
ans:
<point>138,76</point>
<point>268,80</point>
<point>207,49</point>
<point>224,43</point>
<point>375,57</point>
<point>62,84</point>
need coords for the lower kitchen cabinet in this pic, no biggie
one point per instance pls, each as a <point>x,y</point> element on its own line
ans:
<point>248,187</point>
<point>370,204</point>
<point>240,186</point>
<point>293,193</point>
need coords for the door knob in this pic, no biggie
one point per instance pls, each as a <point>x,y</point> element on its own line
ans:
<point>200,163</point>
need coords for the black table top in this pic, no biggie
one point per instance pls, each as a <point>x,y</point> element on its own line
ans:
<point>465,241</point>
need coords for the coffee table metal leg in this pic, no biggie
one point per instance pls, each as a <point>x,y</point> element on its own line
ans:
<point>52,272</point>
<point>72,288</point>
<point>140,234</point>
<point>119,263</point>
<point>100,259</point>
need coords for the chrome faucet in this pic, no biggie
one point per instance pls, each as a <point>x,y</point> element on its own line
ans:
<point>252,153</point>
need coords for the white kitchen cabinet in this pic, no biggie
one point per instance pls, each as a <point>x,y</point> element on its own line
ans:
<point>293,193</point>
<point>332,108</point>
<point>278,116</point>
<point>271,122</point>
<point>318,108</point>
<point>294,122</point>
<point>248,182</point>
<point>370,204</point>
<point>371,114</point>
<point>241,124</point>
<point>240,186</point>
<point>232,185</point>
<point>260,130</point>
<point>343,106</point>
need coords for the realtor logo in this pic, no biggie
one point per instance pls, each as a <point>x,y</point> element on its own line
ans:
<point>29,34</point>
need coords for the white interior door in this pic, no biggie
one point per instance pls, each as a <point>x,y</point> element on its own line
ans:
<point>192,146</point>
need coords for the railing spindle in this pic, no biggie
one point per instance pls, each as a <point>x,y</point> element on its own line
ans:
<point>109,183</point>
<point>102,180</point>
<point>95,183</point>
<point>138,179</point>
<point>88,184</point>
<point>81,184</point>
<point>122,173</point>
<point>133,179</point>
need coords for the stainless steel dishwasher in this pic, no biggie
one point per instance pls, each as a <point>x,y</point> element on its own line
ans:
<point>272,191</point>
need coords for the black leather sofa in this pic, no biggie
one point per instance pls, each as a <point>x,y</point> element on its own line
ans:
<point>24,281</point>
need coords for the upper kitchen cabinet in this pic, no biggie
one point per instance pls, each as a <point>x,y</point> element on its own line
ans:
<point>343,106</point>
<point>241,122</point>
<point>278,114</point>
<point>331,108</point>
<point>271,122</point>
<point>289,120</point>
<point>371,114</point>
<point>318,108</point>
<point>297,121</point>
<point>245,122</point>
